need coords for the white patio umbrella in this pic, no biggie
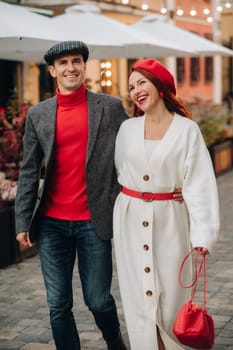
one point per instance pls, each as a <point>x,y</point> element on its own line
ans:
<point>155,24</point>
<point>85,22</point>
<point>24,35</point>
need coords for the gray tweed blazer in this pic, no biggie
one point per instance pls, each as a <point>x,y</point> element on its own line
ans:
<point>105,115</point>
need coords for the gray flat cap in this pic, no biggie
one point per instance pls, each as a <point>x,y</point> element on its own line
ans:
<point>65,48</point>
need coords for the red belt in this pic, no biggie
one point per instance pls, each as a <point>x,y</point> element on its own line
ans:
<point>148,196</point>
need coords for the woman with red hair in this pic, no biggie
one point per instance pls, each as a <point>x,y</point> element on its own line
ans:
<point>160,148</point>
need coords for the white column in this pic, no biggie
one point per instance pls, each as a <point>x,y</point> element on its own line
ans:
<point>31,91</point>
<point>171,60</point>
<point>122,71</point>
<point>217,83</point>
<point>93,75</point>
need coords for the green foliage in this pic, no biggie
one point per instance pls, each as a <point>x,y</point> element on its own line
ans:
<point>213,123</point>
<point>212,128</point>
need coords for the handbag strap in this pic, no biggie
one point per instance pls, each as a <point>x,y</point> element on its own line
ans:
<point>197,268</point>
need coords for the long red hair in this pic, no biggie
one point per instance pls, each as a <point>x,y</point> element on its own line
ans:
<point>171,101</point>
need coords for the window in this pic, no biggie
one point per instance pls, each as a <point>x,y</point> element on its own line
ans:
<point>194,70</point>
<point>208,69</point>
<point>180,70</point>
<point>209,62</point>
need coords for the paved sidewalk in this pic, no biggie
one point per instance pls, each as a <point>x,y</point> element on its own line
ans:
<point>24,322</point>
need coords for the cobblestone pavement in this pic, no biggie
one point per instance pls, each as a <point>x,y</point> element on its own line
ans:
<point>24,322</point>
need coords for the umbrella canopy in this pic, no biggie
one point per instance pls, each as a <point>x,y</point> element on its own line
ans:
<point>156,24</point>
<point>24,35</point>
<point>85,22</point>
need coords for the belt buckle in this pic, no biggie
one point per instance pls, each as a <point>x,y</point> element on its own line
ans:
<point>147,196</point>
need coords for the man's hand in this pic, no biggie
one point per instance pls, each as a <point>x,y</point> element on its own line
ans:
<point>23,238</point>
<point>178,195</point>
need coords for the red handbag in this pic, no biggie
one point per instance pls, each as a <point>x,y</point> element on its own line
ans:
<point>193,326</point>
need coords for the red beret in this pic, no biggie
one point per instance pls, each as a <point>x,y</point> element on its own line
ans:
<point>159,71</point>
<point>2,109</point>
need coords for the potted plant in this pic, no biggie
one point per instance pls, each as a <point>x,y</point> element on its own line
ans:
<point>12,120</point>
<point>213,128</point>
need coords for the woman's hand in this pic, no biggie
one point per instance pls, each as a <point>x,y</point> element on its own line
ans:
<point>203,251</point>
<point>178,195</point>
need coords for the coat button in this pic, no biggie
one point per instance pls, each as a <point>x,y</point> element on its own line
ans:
<point>146,247</point>
<point>149,293</point>
<point>145,223</point>
<point>146,177</point>
<point>147,269</point>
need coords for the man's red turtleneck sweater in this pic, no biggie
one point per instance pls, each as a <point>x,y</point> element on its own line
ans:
<point>66,196</point>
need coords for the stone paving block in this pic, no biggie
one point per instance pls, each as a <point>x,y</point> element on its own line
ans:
<point>38,346</point>
<point>11,345</point>
<point>34,330</point>
<point>90,336</point>
<point>224,341</point>
<point>6,334</point>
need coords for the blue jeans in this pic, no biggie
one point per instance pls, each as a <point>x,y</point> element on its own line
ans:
<point>58,242</point>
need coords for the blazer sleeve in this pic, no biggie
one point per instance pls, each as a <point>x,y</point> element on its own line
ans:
<point>29,176</point>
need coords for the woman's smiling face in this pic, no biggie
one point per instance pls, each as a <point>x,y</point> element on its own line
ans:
<point>143,92</point>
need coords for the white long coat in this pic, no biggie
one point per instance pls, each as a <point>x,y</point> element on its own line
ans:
<point>151,238</point>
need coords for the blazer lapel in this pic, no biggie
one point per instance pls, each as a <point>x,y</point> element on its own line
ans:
<point>49,125</point>
<point>95,112</point>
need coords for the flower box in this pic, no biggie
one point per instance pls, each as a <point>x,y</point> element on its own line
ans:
<point>222,156</point>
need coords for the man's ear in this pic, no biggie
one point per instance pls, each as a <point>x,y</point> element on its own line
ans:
<point>52,71</point>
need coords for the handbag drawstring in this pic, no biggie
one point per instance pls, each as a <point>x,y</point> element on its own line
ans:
<point>197,268</point>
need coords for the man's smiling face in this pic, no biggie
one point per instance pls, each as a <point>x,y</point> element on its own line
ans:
<point>69,71</point>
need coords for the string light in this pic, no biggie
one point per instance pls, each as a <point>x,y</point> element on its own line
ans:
<point>219,8</point>
<point>106,76</point>
<point>209,19</point>
<point>179,12</point>
<point>228,5</point>
<point>163,10</point>
<point>193,12</point>
<point>206,11</point>
<point>145,5</point>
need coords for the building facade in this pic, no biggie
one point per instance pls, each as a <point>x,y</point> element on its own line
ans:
<point>195,75</point>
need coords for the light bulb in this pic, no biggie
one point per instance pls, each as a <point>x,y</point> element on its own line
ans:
<point>206,11</point>
<point>108,73</point>
<point>179,12</point>
<point>193,12</point>
<point>219,8</point>
<point>163,10</point>
<point>145,6</point>
<point>228,5</point>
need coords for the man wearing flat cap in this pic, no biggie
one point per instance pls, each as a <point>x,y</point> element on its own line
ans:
<point>73,135</point>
